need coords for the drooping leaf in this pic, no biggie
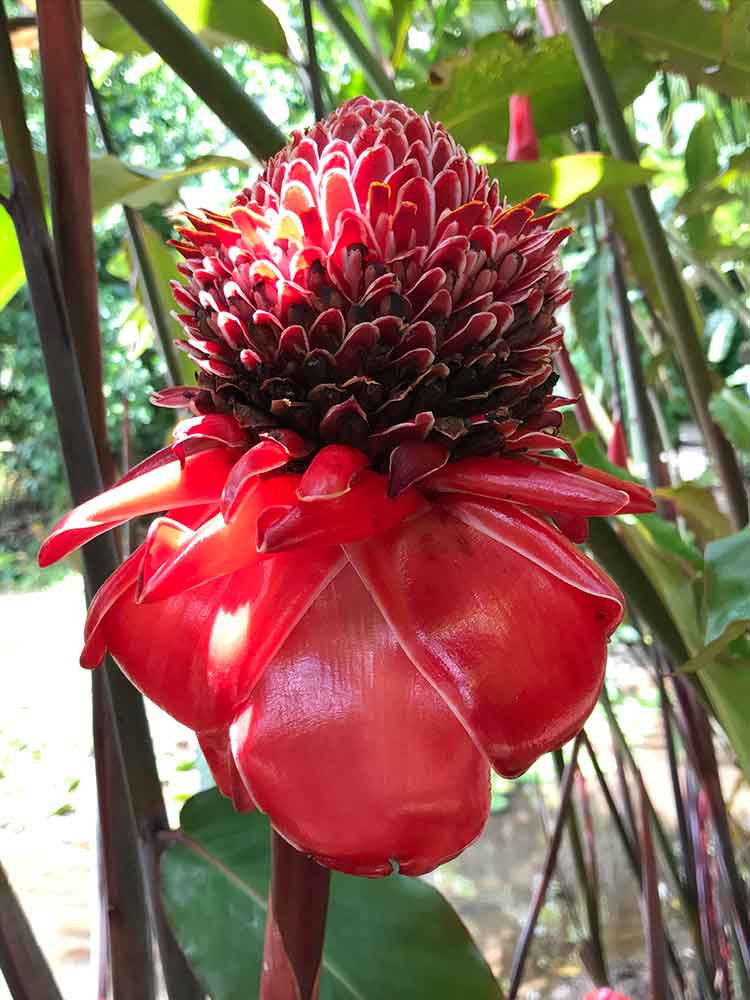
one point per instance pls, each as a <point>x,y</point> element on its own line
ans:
<point>697,504</point>
<point>707,45</point>
<point>567,178</point>
<point>469,92</point>
<point>164,266</point>
<point>730,408</point>
<point>112,182</point>
<point>723,665</point>
<point>701,160</point>
<point>393,937</point>
<point>216,21</point>
<point>727,594</point>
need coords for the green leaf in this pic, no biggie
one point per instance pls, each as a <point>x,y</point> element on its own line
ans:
<point>701,160</point>
<point>469,92</point>
<point>112,182</point>
<point>398,27</point>
<point>164,266</point>
<point>567,178</point>
<point>726,607</point>
<point>730,408</point>
<point>216,21</point>
<point>11,265</point>
<point>708,46</point>
<point>393,937</point>
<point>726,597</point>
<point>697,504</point>
<point>728,687</point>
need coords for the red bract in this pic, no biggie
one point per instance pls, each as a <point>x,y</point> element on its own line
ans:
<point>605,993</point>
<point>523,143</point>
<point>363,593</point>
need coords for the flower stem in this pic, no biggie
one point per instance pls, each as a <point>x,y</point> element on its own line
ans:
<point>295,927</point>
<point>682,324</point>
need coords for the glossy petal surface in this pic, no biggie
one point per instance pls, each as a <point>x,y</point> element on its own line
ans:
<point>517,653</point>
<point>527,482</point>
<point>353,755</point>
<point>198,654</point>
<point>199,480</point>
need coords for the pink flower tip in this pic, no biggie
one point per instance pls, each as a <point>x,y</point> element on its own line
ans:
<point>523,143</point>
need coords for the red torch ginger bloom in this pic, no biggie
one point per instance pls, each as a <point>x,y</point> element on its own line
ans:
<point>362,595</point>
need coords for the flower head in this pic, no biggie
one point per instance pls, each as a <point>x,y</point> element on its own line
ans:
<point>364,592</point>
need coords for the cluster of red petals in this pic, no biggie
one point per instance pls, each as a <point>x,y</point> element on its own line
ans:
<point>356,642</point>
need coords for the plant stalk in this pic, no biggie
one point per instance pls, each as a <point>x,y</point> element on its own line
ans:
<point>158,316</point>
<point>376,76</point>
<point>313,67</point>
<point>684,331</point>
<point>192,61</point>
<point>22,961</point>
<point>550,862</point>
<point>64,87</point>
<point>295,925</point>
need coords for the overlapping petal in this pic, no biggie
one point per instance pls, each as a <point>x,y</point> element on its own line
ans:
<point>199,479</point>
<point>198,654</point>
<point>354,756</point>
<point>512,637</point>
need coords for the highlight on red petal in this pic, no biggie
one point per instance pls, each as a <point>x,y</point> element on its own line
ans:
<point>263,457</point>
<point>364,510</point>
<point>331,472</point>
<point>523,143</point>
<point>524,675</point>
<point>528,482</point>
<point>641,500</point>
<point>377,771</point>
<point>413,461</point>
<point>199,480</point>
<point>206,647</point>
<point>218,547</point>
<point>214,426</point>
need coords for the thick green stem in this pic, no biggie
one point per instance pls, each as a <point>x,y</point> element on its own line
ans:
<point>641,420</point>
<point>193,62</point>
<point>376,76</point>
<point>686,335</point>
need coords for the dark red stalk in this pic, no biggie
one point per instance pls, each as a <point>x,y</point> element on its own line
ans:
<point>575,388</point>
<point>651,905</point>
<point>21,960</point>
<point>703,757</point>
<point>593,951</point>
<point>126,723</point>
<point>550,862</point>
<point>295,926</point>
<point>64,86</point>
<point>631,853</point>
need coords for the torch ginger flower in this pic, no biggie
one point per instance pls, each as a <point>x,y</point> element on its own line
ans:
<point>362,595</point>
